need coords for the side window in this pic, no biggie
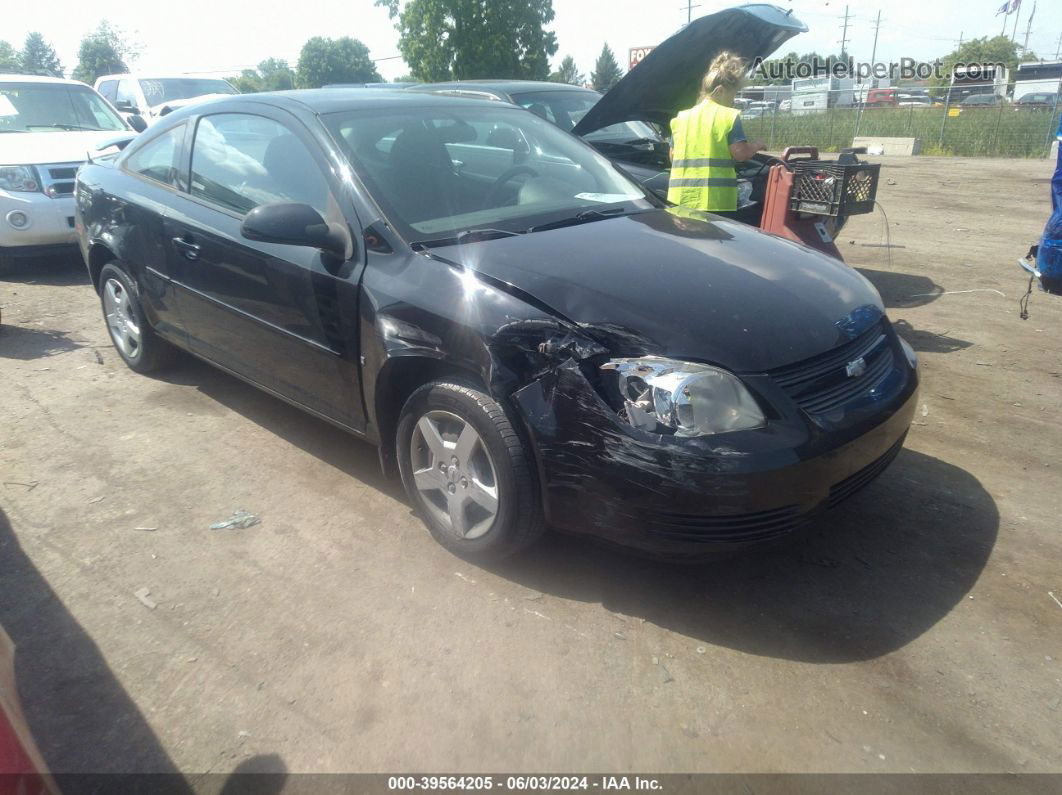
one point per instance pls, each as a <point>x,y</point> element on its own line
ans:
<point>240,161</point>
<point>158,159</point>
<point>127,93</point>
<point>109,89</point>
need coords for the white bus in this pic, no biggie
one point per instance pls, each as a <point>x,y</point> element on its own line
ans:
<point>1037,77</point>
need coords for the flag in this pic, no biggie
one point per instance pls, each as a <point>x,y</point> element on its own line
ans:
<point>1004,9</point>
<point>1014,6</point>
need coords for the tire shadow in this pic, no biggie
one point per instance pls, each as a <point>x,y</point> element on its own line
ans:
<point>56,270</point>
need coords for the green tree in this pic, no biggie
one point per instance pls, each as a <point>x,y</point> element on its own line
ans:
<point>38,57</point>
<point>103,52</point>
<point>346,60</point>
<point>272,74</point>
<point>606,71</point>
<point>997,49</point>
<point>465,39</point>
<point>568,72</point>
<point>247,82</point>
<point>8,58</point>
<point>276,75</point>
<point>405,79</point>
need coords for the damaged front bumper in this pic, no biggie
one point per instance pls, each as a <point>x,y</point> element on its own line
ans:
<point>690,497</point>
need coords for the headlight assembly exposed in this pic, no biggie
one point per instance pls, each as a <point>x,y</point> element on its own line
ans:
<point>686,399</point>
<point>22,179</point>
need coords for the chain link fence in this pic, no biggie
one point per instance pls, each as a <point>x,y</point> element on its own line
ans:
<point>991,126</point>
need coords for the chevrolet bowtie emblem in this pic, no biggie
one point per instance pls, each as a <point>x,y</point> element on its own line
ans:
<point>856,368</point>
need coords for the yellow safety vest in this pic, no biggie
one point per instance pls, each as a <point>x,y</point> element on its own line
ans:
<point>702,171</point>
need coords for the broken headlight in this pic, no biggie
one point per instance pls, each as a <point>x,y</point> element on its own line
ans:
<point>686,399</point>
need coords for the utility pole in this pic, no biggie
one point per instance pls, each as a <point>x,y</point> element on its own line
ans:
<point>690,5</point>
<point>1058,47</point>
<point>844,34</point>
<point>873,80</point>
<point>960,38</point>
<point>874,51</point>
<point>1028,30</point>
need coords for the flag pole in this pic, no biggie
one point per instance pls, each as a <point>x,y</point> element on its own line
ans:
<point>1017,16</point>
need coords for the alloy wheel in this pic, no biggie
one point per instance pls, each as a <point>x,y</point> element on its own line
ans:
<point>454,474</point>
<point>119,309</point>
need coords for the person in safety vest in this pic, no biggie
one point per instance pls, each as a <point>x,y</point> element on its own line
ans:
<point>708,138</point>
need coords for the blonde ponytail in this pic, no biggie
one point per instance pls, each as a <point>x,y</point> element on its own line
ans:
<point>727,71</point>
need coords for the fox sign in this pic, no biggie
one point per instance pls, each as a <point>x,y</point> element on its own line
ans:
<point>635,55</point>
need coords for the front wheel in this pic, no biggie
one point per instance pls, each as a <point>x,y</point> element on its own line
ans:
<point>467,472</point>
<point>134,339</point>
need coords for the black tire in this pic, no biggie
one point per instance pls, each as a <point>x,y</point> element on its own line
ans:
<point>152,353</point>
<point>518,521</point>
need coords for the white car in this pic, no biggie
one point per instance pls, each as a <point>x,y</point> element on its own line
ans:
<point>47,128</point>
<point>153,96</point>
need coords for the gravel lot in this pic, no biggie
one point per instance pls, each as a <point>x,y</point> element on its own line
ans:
<point>913,631</point>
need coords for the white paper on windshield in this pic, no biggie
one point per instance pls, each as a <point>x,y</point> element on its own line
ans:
<point>604,198</point>
<point>6,108</point>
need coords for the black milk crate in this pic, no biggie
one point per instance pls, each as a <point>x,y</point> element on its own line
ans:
<point>826,187</point>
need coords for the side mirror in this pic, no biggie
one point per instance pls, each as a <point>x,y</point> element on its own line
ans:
<point>125,106</point>
<point>136,121</point>
<point>294,225</point>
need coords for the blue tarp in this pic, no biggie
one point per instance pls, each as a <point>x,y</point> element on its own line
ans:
<point>1049,258</point>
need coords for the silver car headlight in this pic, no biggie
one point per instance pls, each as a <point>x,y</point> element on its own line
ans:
<point>686,399</point>
<point>22,179</point>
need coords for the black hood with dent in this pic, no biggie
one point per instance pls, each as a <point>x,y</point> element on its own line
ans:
<point>686,285</point>
<point>669,78</point>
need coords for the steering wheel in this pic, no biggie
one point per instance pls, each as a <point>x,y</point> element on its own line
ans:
<point>494,194</point>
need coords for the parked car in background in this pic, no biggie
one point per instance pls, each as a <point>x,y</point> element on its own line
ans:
<point>914,100</point>
<point>565,105</point>
<point>1039,101</point>
<point>152,96</point>
<point>881,98</point>
<point>47,128</point>
<point>974,101</point>
<point>524,330</point>
<point>371,85</point>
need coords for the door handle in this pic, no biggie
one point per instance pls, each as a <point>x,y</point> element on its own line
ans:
<point>186,247</point>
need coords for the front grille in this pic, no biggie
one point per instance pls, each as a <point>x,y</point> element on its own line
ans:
<point>822,383</point>
<point>840,492</point>
<point>58,180</point>
<point>742,527</point>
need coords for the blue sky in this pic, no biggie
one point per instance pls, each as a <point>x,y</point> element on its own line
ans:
<point>225,35</point>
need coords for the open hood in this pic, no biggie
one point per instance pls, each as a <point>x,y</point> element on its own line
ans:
<point>669,78</point>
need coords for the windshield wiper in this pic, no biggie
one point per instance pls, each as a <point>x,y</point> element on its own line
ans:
<point>4,131</point>
<point>66,127</point>
<point>467,236</point>
<point>652,141</point>
<point>586,216</point>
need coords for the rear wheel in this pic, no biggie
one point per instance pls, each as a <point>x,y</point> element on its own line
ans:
<point>467,472</point>
<point>134,339</point>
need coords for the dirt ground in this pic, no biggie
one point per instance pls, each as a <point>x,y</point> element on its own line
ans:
<point>913,631</point>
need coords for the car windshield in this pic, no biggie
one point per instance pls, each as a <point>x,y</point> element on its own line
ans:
<point>980,99</point>
<point>567,108</point>
<point>54,107</point>
<point>166,89</point>
<point>438,171</point>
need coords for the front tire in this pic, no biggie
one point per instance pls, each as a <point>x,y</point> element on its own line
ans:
<point>134,339</point>
<point>467,472</point>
